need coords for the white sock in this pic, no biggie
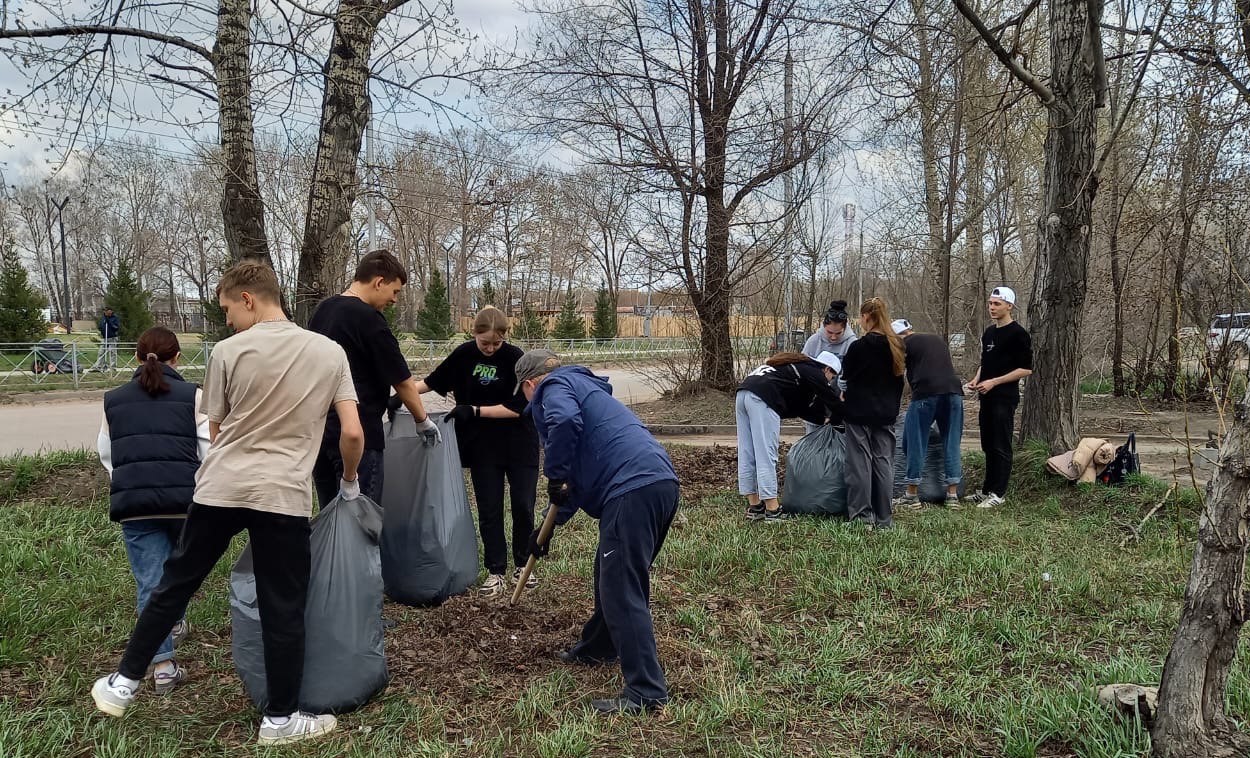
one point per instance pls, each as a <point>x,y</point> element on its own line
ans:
<point>277,720</point>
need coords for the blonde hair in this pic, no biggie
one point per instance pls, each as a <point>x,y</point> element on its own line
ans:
<point>252,277</point>
<point>875,308</point>
<point>490,319</point>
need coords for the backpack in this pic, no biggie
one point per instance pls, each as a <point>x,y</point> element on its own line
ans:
<point>1125,462</point>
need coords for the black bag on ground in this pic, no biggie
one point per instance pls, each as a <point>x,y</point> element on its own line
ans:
<point>429,544</point>
<point>815,477</point>
<point>1124,463</point>
<point>344,664</point>
<point>932,487</point>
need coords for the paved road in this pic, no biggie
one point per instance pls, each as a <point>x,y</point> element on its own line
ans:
<point>60,421</point>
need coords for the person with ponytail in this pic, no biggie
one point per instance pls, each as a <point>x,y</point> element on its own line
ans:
<point>151,442</point>
<point>786,386</point>
<point>834,336</point>
<point>873,369</point>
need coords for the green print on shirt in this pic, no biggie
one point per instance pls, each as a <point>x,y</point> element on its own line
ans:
<point>485,373</point>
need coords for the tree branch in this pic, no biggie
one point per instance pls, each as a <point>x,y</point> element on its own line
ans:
<point>120,31</point>
<point>1018,71</point>
<point>201,92</point>
<point>1132,97</point>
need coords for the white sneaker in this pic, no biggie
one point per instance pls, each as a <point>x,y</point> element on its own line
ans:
<point>298,726</point>
<point>112,695</point>
<point>493,585</point>
<point>975,497</point>
<point>992,501</point>
<point>165,679</point>
<point>180,632</point>
<point>531,581</point>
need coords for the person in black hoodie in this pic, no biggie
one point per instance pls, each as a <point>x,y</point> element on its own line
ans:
<point>151,442</point>
<point>786,386</point>
<point>873,370</point>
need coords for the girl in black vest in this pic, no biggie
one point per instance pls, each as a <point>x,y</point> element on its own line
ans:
<point>151,442</point>
<point>873,369</point>
<point>787,385</point>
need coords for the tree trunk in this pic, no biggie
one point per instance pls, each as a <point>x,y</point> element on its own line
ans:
<point>1050,400</point>
<point>242,209</point>
<point>345,113</point>
<point>937,258</point>
<point>1191,721</point>
<point>716,360</point>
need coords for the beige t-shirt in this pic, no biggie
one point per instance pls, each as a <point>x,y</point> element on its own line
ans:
<point>270,388</point>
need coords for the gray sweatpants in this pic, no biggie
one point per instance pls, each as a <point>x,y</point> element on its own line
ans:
<point>759,437</point>
<point>869,473</point>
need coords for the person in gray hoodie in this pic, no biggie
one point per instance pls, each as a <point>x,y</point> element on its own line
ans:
<point>834,336</point>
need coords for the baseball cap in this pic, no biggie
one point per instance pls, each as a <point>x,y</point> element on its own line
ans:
<point>900,325</point>
<point>535,363</point>
<point>1006,294</point>
<point>830,360</point>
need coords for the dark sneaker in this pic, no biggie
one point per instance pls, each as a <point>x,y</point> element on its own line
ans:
<point>777,516</point>
<point>568,656</point>
<point>952,501</point>
<point>621,705</point>
<point>531,581</point>
<point>756,512</point>
<point>907,502</point>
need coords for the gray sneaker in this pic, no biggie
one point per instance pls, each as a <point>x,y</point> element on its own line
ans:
<point>992,501</point>
<point>180,632</point>
<point>164,681</point>
<point>111,696</point>
<point>531,581</point>
<point>952,501</point>
<point>494,585</point>
<point>298,726</point>
<point>906,502</point>
<point>975,497</point>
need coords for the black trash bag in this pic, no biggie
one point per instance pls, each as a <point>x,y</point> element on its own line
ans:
<point>815,473</point>
<point>344,663</point>
<point>429,545</point>
<point>933,476</point>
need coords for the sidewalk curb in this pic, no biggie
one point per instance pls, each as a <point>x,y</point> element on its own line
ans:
<point>730,430</point>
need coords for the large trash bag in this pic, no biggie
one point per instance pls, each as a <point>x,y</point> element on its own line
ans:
<point>933,476</point>
<point>344,664</point>
<point>815,473</point>
<point>429,545</point>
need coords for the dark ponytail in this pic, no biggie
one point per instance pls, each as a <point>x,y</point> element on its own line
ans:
<point>156,346</point>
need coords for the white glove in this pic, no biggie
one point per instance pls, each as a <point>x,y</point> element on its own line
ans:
<point>430,435</point>
<point>349,490</point>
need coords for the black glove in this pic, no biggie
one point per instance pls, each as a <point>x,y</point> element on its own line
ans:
<point>392,407</point>
<point>557,492</point>
<point>461,413</point>
<point>537,550</point>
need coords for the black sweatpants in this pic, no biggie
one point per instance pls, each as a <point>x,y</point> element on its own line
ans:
<point>997,420</point>
<point>631,532</point>
<point>280,549</point>
<point>488,483</point>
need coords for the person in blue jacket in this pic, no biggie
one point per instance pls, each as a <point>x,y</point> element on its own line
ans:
<point>600,458</point>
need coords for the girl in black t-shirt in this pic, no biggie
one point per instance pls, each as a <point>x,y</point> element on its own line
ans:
<point>496,440</point>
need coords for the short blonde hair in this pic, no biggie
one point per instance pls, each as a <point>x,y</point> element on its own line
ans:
<point>491,319</point>
<point>252,277</point>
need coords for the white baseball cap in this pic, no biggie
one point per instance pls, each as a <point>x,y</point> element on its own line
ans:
<point>1006,294</point>
<point>830,360</point>
<point>900,325</point>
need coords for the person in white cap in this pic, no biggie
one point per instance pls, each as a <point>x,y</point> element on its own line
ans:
<point>786,386</point>
<point>936,395</point>
<point>1006,358</point>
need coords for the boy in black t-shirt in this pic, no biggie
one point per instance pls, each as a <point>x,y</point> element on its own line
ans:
<point>497,440</point>
<point>354,320</point>
<point>1006,358</point>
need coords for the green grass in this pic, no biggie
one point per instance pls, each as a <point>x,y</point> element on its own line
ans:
<point>809,638</point>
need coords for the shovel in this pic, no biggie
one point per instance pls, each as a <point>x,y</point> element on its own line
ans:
<point>544,534</point>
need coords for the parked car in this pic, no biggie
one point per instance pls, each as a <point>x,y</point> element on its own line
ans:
<point>1230,331</point>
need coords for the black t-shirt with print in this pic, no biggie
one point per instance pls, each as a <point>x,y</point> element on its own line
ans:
<point>373,354</point>
<point>477,379</point>
<point>1003,350</point>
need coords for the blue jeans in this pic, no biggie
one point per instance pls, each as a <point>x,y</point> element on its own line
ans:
<point>759,436</point>
<point>149,542</point>
<point>948,411</point>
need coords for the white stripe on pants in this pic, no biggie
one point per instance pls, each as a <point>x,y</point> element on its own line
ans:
<point>759,435</point>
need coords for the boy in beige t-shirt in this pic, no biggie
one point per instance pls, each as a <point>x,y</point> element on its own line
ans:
<point>267,391</point>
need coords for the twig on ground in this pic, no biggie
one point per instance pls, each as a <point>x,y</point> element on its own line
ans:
<point>1136,535</point>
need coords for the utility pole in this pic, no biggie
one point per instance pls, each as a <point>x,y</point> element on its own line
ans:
<point>860,263</point>
<point>848,237</point>
<point>788,184</point>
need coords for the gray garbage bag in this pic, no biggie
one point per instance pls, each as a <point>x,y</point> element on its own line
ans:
<point>429,544</point>
<point>344,664</point>
<point>815,473</point>
<point>933,476</point>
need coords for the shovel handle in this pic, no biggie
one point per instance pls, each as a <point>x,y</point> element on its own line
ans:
<point>544,534</point>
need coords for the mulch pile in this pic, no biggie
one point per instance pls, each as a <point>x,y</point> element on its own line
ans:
<point>707,471</point>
